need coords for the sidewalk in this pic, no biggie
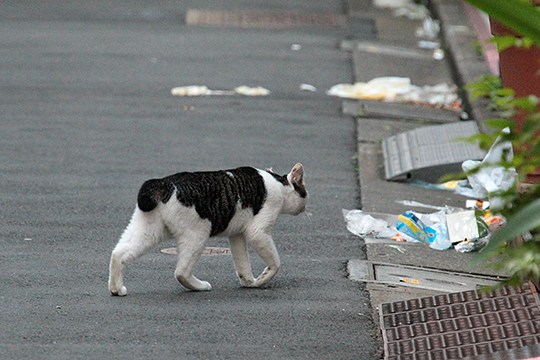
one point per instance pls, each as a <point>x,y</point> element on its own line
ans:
<point>461,65</point>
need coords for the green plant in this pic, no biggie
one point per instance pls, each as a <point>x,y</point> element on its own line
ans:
<point>517,244</point>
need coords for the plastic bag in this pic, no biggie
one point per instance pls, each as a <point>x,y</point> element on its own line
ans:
<point>362,224</point>
<point>435,234</point>
<point>491,179</point>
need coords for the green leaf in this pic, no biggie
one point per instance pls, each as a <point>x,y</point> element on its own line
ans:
<point>504,42</point>
<point>500,124</point>
<point>524,220</point>
<point>519,16</point>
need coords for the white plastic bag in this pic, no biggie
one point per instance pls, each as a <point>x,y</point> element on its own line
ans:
<point>362,224</point>
<point>490,179</point>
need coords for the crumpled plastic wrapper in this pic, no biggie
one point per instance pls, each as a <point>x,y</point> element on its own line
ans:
<point>399,89</point>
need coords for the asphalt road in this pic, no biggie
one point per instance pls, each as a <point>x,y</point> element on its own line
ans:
<point>87,116</point>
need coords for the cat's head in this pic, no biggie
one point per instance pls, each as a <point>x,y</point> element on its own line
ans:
<point>295,195</point>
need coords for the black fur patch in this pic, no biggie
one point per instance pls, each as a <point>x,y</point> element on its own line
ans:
<point>215,194</point>
<point>300,189</point>
<point>280,178</point>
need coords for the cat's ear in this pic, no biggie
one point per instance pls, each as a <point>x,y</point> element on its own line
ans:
<point>296,176</point>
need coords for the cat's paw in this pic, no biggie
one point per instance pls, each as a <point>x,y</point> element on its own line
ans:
<point>247,283</point>
<point>121,292</point>
<point>205,286</point>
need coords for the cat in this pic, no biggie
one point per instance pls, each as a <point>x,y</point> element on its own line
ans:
<point>242,204</point>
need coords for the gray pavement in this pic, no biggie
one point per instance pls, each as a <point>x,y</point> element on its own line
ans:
<point>87,117</point>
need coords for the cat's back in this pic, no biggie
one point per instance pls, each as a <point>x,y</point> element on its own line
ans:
<point>214,195</point>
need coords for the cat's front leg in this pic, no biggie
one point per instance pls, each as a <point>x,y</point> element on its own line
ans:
<point>265,247</point>
<point>242,264</point>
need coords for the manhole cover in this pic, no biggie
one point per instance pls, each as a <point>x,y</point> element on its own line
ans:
<point>208,251</point>
<point>260,19</point>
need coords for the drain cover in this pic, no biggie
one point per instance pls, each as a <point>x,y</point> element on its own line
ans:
<point>462,325</point>
<point>429,152</point>
<point>208,251</point>
<point>260,19</point>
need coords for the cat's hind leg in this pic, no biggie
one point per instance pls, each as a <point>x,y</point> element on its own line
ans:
<point>190,246</point>
<point>239,250</point>
<point>145,230</point>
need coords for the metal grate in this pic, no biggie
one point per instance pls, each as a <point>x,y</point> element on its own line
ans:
<point>261,19</point>
<point>459,325</point>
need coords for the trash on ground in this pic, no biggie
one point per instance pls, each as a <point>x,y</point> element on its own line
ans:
<point>430,45</point>
<point>462,226</point>
<point>488,180</point>
<point>362,224</point>
<point>202,90</point>
<point>419,204</point>
<point>471,245</point>
<point>296,47</point>
<point>192,90</point>
<point>430,29</point>
<point>434,234</point>
<point>407,8</point>
<point>461,187</point>
<point>438,54</point>
<point>252,91</point>
<point>465,230</point>
<point>400,89</point>
<point>477,204</point>
<point>308,87</point>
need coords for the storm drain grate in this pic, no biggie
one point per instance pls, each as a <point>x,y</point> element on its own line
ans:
<point>459,325</point>
<point>260,19</point>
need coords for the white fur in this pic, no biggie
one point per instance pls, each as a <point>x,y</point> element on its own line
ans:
<point>147,229</point>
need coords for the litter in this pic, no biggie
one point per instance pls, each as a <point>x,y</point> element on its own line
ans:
<point>398,248</point>
<point>461,187</point>
<point>308,87</point>
<point>362,224</point>
<point>399,89</point>
<point>434,234</point>
<point>471,245</point>
<point>430,29</point>
<point>465,230</point>
<point>462,226</point>
<point>202,90</point>
<point>407,8</point>
<point>252,91</point>
<point>419,204</point>
<point>192,90</point>
<point>487,180</point>
<point>430,45</point>
<point>296,47</point>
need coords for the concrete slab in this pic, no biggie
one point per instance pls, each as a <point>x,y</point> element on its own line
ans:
<point>398,30</point>
<point>423,256</point>
<point>386,60</point>
<point>376,130</point>
<point>416,277</point>
<point>381,294</point>
<point>379,195</point>
<point>381,109</point>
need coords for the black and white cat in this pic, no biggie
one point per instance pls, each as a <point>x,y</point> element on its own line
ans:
<point>242,204</point>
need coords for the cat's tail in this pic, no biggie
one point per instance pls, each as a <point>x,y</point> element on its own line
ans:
<point>152,192</point>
